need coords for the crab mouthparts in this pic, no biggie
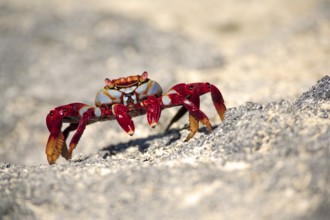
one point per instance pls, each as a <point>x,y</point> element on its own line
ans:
<point>129,98</point>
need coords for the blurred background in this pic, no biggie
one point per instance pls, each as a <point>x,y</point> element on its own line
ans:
<point>56,52</point>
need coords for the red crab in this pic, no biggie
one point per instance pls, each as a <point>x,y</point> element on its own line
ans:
<point>122,99</point>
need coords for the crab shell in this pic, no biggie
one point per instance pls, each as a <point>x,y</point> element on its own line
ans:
<point>129,90</point>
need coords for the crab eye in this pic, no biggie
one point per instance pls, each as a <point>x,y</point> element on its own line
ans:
<point>109,84</point>
<point>208,85</point>
<point>143,77</point>
<point>51,113</point>
<point>191,87</point>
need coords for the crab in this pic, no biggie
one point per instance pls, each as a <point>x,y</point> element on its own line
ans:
<point>121,100</point>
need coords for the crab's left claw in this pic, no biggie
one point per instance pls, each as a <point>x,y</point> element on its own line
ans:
<point>56,140</point>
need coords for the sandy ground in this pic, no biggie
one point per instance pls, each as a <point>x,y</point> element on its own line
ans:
<point>58,52</point>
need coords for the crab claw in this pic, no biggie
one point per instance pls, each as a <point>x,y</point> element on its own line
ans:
<point>123,119</point>
<point>153,110</point>
<point>153,115</point>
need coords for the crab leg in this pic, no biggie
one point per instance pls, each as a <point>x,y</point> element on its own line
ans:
<point>71,113</point>
<point>218,101</point>
<point>192,92</point>
<point>193,125</point>
<point>80,130</point>
<point>195,99</point>
<point>66,132</point>
<point>197,113</point>
<point>193,121</point>
<point>174,99</point>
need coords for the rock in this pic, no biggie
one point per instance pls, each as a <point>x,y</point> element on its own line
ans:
<point>264,161</point>
<point>318,93</point>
